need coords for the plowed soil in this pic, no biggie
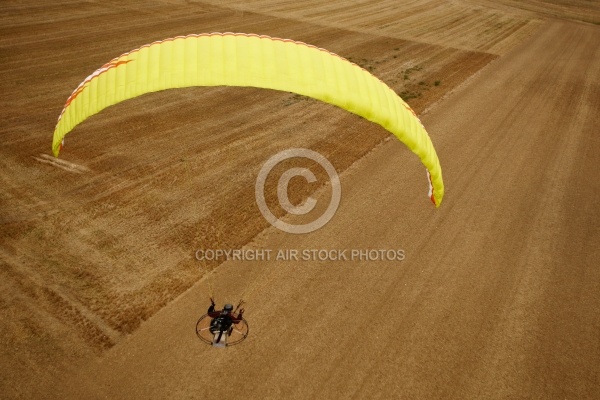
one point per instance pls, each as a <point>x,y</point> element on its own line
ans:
<point>496,297</point>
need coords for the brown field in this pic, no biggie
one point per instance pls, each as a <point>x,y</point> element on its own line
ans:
<point>498,296</point>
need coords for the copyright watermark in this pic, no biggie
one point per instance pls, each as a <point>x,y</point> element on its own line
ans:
<point>282,187</point>
<point>300,255</point>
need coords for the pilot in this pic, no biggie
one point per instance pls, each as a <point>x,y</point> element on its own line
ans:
<point>224,318</point>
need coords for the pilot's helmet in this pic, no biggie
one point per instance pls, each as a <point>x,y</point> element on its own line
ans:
<point>228,308</point>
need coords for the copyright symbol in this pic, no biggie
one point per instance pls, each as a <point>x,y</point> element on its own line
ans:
<point>282,190</point>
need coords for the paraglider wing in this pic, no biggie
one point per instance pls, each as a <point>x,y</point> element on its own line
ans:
<point>235,59</point>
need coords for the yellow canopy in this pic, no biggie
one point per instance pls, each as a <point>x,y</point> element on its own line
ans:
<point>236,59</point>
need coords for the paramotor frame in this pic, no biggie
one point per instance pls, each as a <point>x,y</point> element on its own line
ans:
<point>221,336</point>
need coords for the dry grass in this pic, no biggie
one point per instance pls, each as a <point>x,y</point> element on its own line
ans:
<point>119,237</point>
<point>467,25</point>
<point>577,10</point>
<point>92,255</point>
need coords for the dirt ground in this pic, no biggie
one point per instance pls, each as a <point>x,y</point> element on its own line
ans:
<point>497,295</point>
